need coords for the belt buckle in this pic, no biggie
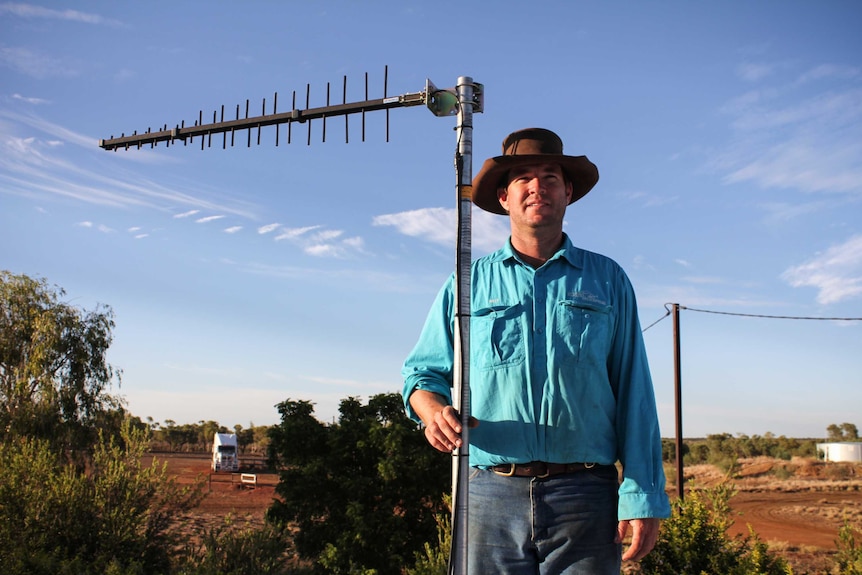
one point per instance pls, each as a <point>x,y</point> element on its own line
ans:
<point>547,472</point>
<point>509,473</point>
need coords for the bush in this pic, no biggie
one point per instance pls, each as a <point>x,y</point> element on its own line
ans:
<point>694,541</point>
<point>435,560</point>
<point>116,517</point>
<point>849,556</point>
<point>232,549</point>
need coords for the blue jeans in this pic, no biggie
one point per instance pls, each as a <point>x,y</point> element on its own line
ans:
<point>561,525</point>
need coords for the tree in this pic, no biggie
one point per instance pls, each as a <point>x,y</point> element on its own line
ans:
<point>843,432</point>
<point>849,431</point>
<point>54,377</point>
<point>364,492</point>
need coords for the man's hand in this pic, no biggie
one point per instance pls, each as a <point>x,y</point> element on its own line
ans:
<point>644,536</point>
<point>442,421</point>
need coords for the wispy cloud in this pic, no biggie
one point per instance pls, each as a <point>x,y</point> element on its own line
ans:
<point>319,242</point>
<point>439,226</point>
<point>267,228</point>
<point>208,219</point>
<point>784,211</point>
<point>101,227</point>
<point>186,214</point>
<point>836,273</point>
<point>649,200</point>
<point>328,244</point>
<point>293,233</point>
<point>32,11</point>
<point>824,71</point>
<point>29,100</point>
<point>752,71</point>
<point>802,133</point>
<point>232,229</point>
<point>137,233</point>
<point>31,165</point>
<point>36,64</point>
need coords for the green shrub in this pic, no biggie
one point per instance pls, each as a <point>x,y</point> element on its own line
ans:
<point>240,549</point>
<point>848,559</point>
<point>435,560</point>
<point>694,541</point>
<point>116,517</point>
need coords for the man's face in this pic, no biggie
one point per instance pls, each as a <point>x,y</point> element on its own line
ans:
<point>536,195</point>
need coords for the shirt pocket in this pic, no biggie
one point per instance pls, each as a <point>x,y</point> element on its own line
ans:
<point>496,337</point>
<point>583,333</point>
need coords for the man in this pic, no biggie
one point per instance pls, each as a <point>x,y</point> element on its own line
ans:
<point>560,385</point>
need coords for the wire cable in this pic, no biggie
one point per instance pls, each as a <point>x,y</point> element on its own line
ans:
<point>757,315</point>
<point>667,313</point>
<point>765,316</point>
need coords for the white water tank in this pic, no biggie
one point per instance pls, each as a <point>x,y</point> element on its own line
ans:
<point>843,451</point>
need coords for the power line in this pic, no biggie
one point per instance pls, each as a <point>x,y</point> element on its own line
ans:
<point>667,313</point>
<point>759,315</point>
<point>771,316</point>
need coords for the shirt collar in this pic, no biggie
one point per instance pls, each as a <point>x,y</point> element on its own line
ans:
<point>567,251</point>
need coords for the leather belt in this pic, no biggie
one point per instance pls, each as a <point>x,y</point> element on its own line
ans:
<point>541,469</point>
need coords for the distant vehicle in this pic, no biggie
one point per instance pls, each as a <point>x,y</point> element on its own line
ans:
<point>225,453</point>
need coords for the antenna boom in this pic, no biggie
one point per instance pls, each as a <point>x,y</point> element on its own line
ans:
<point>189,132</point>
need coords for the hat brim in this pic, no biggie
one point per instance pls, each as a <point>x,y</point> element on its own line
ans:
<point>581,172</point>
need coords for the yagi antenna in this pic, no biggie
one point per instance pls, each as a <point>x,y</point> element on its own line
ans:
<point>461,101</point>
<point>442,102</point>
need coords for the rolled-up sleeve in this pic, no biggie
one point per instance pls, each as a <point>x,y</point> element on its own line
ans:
<point>430,364</point>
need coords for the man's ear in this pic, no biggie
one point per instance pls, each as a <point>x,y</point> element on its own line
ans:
<point>503,198</point>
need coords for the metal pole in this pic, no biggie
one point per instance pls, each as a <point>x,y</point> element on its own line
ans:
<point>677,398</point>
<point>461,378</point>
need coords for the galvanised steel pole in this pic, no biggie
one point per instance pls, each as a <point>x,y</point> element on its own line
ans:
<point>461,378</point>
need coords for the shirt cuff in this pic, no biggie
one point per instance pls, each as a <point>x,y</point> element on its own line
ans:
<point>643,505</point>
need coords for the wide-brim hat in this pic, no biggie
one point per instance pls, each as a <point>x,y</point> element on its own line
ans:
<point>530,146</point>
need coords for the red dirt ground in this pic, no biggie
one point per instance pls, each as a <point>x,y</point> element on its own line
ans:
<point>799,516</point>
<point>225,493</point>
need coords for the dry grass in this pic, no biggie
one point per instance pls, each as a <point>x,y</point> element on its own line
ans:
<point>790,504</point>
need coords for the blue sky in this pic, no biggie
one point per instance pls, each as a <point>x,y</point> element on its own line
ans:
<point>728,137</point>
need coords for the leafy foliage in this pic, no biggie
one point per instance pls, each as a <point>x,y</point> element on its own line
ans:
<point>843,432</point>
<point>434,560</point>
<point>723,449</point>
<point>848,560</point>
<point>233,549</point>
<point>363,492</point>
<point>53,373</point>
<point>119,516</point>
<point>694,541</point>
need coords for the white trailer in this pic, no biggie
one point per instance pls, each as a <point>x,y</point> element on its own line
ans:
<point>225,452</point>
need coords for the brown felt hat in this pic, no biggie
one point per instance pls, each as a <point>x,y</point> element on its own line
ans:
<point>530,146</point>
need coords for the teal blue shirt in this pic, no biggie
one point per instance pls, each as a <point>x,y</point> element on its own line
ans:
<point>558,369</point>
